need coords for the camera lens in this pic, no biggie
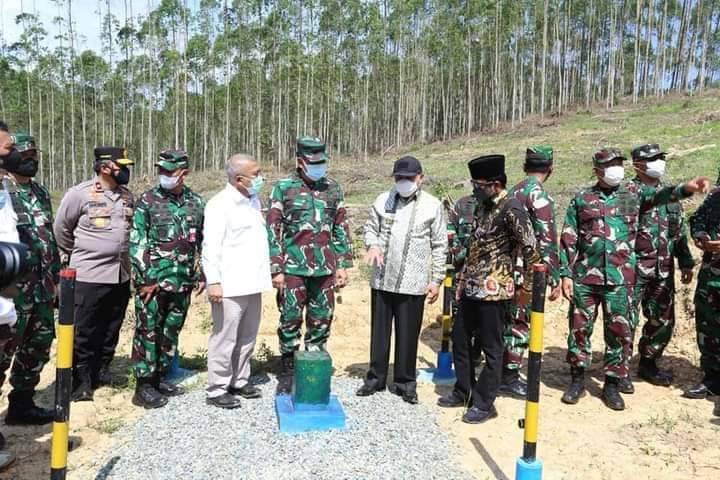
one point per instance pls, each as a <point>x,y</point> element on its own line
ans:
<point>13,262</point>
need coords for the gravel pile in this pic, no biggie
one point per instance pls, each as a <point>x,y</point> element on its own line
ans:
<point>385,438</point>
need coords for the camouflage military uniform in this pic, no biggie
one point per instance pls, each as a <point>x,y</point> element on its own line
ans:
<point>598,253</point>
<point>165,243</point>
<point>705,225</point>
<point>661,237</point>
<point>35,327</point>
<point>309,239</point>
<point>541,210</point>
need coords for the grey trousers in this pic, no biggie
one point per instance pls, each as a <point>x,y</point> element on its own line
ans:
<point>235,326</point>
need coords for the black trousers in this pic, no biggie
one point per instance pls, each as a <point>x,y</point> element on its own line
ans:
<point>406,312</point>
<point>482,322</point>
<point>99,313</point>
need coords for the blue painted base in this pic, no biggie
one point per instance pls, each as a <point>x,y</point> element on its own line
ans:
<point>429,375</point>
<point>176,374</point>
<point>308,418</point>
<point>444,365</point>
<point>528,470</point>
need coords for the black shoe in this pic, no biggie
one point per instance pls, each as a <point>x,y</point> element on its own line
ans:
<point>649,371</point>
<point>410,397</point>
<point>23,411</point>
<point>611,395</point>
<point>104,378</point>
<point>366,390</point>
<point>515,387</point>
<point>699,391</point>
<point>577,386</point>
<point>147,396</point>
<point>475,415</point>
<point>225,400</point>
<point>626,386</point>
<point>169,389</point>
<point>284,386</point>
<point>406,392</point>
<point>82,385</point>
<point>247,391</point>
<point>287,362</point>
<point>451,400</point>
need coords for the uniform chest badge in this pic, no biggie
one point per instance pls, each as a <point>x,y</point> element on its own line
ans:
<point>491,286</point>
<point>192,236</point>
<point>510,287</point>
<point>101,222</point>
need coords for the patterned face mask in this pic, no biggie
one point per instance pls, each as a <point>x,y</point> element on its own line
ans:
<point>169,182</point>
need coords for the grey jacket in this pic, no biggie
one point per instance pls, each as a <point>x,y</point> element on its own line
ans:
<point>412,234</point>
<point>92,227</point>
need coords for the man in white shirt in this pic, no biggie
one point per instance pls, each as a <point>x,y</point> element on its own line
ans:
<point>236,262</point>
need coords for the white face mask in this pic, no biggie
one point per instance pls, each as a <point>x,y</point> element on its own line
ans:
<point>406,187</point>
<point>168,183</point>
<point>655,169</point>
<point>614,175</point>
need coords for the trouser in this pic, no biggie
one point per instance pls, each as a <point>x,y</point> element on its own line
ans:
<point>484,322</point>
<point>99,313</point>
<point>315,295</point>
<point>406,313</point>
<point>29,344</point>
<point>707,323</point>
<point>157,327</point>
<point>616,302</point>
<point>656,298</point>
<point>516,335</point>
<point>235,327</point>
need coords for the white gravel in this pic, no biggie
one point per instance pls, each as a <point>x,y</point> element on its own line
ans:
<point>385,438</point>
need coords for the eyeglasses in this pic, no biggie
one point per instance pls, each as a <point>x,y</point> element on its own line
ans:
<point>481,184</point>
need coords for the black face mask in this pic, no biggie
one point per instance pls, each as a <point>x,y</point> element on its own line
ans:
<point>14,162</point>
<point>481,194</point>
<point>122,176</point>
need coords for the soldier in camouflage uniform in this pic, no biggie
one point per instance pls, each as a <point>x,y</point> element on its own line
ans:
<point>541,209</point>
<point>661,237</point>
<point>597,253</point>
<point>310,248</point>
<point>705,231</point>
<point>35,327</point>
<point>165,245</point>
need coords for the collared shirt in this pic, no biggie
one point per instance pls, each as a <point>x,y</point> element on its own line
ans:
<point>235,250</point>
<point>92,227</point>
<point>412,235</point>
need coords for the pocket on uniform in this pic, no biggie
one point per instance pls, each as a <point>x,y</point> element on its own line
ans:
<point>164,232</point>
<point>99,218</point>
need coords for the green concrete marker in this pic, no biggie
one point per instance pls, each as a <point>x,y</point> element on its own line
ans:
<point>311,384</point>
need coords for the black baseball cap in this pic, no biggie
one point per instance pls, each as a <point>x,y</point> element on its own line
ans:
<point>407,166</point>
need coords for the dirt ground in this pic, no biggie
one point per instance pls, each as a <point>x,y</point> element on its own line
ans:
<point>659,435</point>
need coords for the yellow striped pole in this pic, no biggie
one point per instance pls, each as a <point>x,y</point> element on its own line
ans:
<point>63,378</point>
<point>528,466</point>
<point>444,368</point>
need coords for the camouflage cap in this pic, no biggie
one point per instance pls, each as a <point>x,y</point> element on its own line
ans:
<point>607,155</point>
<point>24,142</point>
<point>647,152</point>
<point>539,156</point>
<point>172,160</point>
<point>312,149</point>
<point>115,154</point>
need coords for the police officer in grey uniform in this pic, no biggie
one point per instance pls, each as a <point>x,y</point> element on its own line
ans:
<point>92,227</point>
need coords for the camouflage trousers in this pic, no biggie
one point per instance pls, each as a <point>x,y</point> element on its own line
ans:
<point>157,328</point>
<point>516,335</point>
<point>616,303</point>
<point>656,298</point>
<point>707,322</point>
<point>32,337</point>
<point>315,295</point>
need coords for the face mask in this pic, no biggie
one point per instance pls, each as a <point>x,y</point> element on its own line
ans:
<point>14,162</point>
<point>122,176</point>
<point>168,183</point>
<point>614,175</point>
<point>405,187</point>
<point>655,169</point>
<point>481,194</point>
<point>256,184</point>
<point>315,171</point>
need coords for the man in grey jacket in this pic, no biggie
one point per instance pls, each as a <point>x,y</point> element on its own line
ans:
<point>406,240</point>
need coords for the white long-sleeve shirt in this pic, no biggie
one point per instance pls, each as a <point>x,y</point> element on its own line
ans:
<point>8,233</point>
<point>235,250</point>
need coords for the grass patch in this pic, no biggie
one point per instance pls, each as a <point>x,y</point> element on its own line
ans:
<point>197,362</point>
<point>109,425</point>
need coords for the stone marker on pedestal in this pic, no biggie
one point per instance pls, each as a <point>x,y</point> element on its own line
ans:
<point>311,407</point>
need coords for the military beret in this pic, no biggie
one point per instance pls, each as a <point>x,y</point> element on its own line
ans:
<point>312,149</point>
<point>172,160</point>
<point>115,154</point>
<point>487,167</point>
<point>647,152</point>
<point>539,156</point>
<point>24,142</point>
<point>607,155</point>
